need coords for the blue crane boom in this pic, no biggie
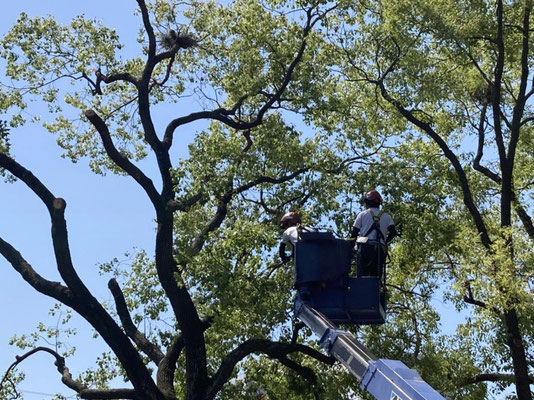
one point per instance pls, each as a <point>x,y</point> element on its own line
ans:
<point>384,379</point>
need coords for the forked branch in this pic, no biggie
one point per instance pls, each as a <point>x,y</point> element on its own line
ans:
<point>275,350</point>
<point>66,378</point>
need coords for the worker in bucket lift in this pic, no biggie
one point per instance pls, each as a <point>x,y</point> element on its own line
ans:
<point>372,231</point>
<point>291,223</point>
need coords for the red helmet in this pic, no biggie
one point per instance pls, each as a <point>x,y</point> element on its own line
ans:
<point>373,197</point>
<point>290,219</point>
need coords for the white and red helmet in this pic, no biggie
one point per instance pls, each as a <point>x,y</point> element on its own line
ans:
<point>290,219</point>
<point>373,197</point>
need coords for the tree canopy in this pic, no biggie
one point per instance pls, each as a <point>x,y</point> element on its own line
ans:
<point>302,106</point>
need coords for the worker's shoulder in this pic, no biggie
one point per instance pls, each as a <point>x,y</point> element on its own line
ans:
<point>289,231</point>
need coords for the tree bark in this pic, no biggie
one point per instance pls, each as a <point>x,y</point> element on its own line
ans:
<point>517,350</point>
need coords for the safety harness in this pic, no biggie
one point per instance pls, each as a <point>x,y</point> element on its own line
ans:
<point>376,225</point>
<point>301,229</point>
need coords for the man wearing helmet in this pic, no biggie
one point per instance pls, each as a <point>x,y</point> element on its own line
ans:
<point>291,223</point>
<point>372,230</point>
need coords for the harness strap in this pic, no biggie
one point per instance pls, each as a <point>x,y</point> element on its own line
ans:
<point>376,224</point>
<point>301,229</point>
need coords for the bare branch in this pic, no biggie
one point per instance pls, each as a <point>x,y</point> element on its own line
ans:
<point>480,151</point>
<point>100,77</point>
<point>149,29</point>
<point>149,348</point>
<point>79,298</point>
<point>275,350</point>
<point>184,205</point>
<point>29,179</point>
<point>124,163</point>
<point>492,377</point>
<point>49,288</point>
<point>66,378</point>
<point>56,208</point>
<point>167,366</point>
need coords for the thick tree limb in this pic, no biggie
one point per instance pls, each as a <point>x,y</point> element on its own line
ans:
<point>492,377</point>
<point>53,289</point>
<point>519,209</point>
<point>80,298</point>
<point>519,107</point>
<point>124,163</point>
<point>220,114</point>
<point>184,205</point>
<point>56,208</point>
<point>149,348</point>
<point>100,77</point>
<point>276,350</point>
<point>67,379</point>
<point>29,179</point>
<point>148,28</point>
<point>167,366</point>
<point>496,87</point>
<point>524,217</point>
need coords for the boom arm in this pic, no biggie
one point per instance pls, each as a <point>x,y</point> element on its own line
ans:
<point>384,379</point>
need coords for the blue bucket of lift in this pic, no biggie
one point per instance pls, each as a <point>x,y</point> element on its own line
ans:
<point>322,266</point>
<point>364,302</point>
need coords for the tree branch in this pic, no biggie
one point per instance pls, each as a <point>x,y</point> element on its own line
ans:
<point>519,106</point>
<point>167,366</point>
<point>80,298</point>
<point>223,115</point>
<point>124,163</point>
<point>29,179</point>
<point>53,289</point>
<point>496,86</point>
<point>149,348</point>
<point>523,216</point>
<point>492,377</point>
<point>480,151</point>
<point>148,28</point>
<point>275,350</point>
<point>184,205</point>
<point>66,378</point>
<point>460,173</point>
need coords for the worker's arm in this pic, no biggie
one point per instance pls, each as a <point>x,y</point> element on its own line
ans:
<point>392,233</point>
<point>282,252</point>
<point>354,235</point>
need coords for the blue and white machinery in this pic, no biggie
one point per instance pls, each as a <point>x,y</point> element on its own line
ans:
<point>328,295</point>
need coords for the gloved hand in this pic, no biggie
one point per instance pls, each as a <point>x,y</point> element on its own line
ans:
<point>285,258</point>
